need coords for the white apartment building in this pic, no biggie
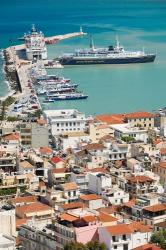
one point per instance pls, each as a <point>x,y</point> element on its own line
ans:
<point>67,120</point>
<point>7,221</point>
<point>125,236</point>
<point>98,182</point>
<point>122,130</point>
<point>115,196</point>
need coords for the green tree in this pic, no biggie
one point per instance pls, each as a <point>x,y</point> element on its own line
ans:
<point>38,113</point>
<point>95,245</point>
<point>127,139</point>
<point>91,245</point>
<point>159,238</point>
<point>74,246</point>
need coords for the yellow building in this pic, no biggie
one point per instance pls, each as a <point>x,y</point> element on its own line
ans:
<point>99,130</point>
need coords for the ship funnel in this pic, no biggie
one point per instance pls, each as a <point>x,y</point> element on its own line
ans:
<point>91,43</point>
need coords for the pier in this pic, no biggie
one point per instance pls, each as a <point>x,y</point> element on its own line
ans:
<point>21,67</point>
<point>54,39</point>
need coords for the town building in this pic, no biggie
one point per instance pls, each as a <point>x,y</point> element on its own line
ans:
<point>34,134</point>
<point>125,236</point>
<point>67,120</point>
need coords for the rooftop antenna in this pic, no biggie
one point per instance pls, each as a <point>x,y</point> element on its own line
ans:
<point>91,43</point>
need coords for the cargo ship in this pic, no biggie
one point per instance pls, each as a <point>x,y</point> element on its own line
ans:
<point>111,55</point>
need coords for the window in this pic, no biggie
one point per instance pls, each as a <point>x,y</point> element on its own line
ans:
<point>66,124</point>
<point>125,247</point>
<point>124,237</point>
<point>144,125</point>
<point>70,123</point>
<point>115,247</point>
<point>113,238</point>
<point>57,124</point>
<point>150,125</point>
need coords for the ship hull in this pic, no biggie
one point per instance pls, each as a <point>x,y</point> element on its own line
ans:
<point>90,61</point>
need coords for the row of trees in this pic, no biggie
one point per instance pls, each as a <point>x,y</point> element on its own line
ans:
<point>91,245</point>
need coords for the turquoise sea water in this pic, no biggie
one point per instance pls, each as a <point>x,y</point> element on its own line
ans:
<point>138,23</point>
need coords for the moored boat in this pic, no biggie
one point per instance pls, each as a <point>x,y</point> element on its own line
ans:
<point>111,55</point>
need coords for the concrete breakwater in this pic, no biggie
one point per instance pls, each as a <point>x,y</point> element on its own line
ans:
<point>11,73</point>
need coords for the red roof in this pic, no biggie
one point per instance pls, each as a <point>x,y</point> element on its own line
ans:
<point>156,208</point>
<point>163,151</point>
<point>139,179</point>
<point>11,137</point>
<point>147,247</point>
<point>111,118</point>
<point>20,222</point>
<point>46,150</point>
<point>72,205</point>
<point>139,114</point>
<point>133,227</point>
<point>56,159</point>
<point>90,197</point>
<point>59,170</point>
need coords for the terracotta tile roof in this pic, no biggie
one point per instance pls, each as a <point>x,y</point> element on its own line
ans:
<point>58,170</point>
<point>20,222</point>
<point>72,205</point>
<point>119,229</point>
<point>89,218</point>
<point>32,208</point>
<point>133,227</point>
<point>68,217</point>
<point>139,227</point>
<point>94,146</point>
<point>147,246</point>
<point>11,137</point>
<point>69,186</point>
<point>26,164</point>
<point>111,118</point>
<point>130,203</point>
<point>56,159</point>
<point>163,151</point>
<point>139,179</point>
<point>104,217</point>
<point>110,209</point>
<point>26,199</point>
<point>156,208</point>
<point>99,169</point>
<point>46,150</point>
<point>90,197</point>
<point>161,164</point>
<point>139,114</point>
<point>157,141</point>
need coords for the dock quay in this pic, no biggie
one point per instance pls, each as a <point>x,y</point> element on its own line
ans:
<point>54,39</point>
<point>18,67</point>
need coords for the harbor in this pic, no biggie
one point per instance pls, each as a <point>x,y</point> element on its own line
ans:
<point>25,67</point>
